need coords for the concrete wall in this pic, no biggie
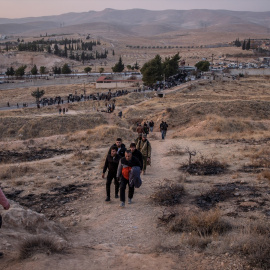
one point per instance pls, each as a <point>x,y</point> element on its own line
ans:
<point>251,71</point>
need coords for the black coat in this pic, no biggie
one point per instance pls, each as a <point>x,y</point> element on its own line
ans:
<point>111,163</point>
<point>137,154</point>
<point>121,151</point>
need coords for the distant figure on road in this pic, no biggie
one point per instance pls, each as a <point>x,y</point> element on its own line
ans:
<point>8,104</point>
<point>163,129</point>
<point>120,114</point>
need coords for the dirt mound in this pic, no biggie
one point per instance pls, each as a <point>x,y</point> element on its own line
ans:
<point>33,127</point>
<point>215,126</point>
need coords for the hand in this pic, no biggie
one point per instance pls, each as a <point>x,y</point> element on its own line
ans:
<point>103,176</point>
<point>7,207</point>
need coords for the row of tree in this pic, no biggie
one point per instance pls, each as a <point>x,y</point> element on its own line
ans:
<point>244,44</point>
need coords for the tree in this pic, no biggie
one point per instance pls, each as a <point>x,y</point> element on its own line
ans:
<point>37,94</point>
<point>118,67</point>
<point>19,72</point>
<point>244,45</point>
<point>34,70</point>
<point>170,65</point>
<point>136,66</point>
<point>101,70</point>
<point>42,70</point>
<point>10,71</point>
<point>248,44</point>
<point>203,65</point>
<point>87,69</point>
<point>152,71</point>
<point>66,69</point>
<point>56,70</point>
<point>129,67</point>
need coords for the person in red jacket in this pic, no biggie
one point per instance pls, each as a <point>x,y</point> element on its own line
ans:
<point>4,202</point>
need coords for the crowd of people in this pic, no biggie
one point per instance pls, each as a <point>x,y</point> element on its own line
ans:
<point>125,167</point>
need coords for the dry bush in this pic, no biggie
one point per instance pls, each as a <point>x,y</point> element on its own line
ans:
<point>261,158</point>
<point>204,166</point>
<point>9,172</point>
<point>83,156</point>
<point>254,244</point>
<point>195,241</point>
<point>175,150</point>
<point>202,224</point>
<point>266,174</point>
<point>38,244</point>
<point>168,194</point>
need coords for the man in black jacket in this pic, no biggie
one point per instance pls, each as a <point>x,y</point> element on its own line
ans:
<point>121,148</point>
<point>137,154</point>
<point>111,163</point>
<point>124,168</point>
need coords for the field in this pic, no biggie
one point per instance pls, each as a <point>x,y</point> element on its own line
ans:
<point>204,202</point>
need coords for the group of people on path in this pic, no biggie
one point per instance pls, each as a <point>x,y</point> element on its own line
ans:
<point>125,167</point>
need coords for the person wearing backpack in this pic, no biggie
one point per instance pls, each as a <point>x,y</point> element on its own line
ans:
<point>144,147</point>
<point>123,172</point>
<point>4,202</point>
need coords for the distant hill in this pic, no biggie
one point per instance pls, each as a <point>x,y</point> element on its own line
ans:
<point>140,21</point>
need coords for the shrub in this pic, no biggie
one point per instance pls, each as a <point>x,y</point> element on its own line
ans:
<point>202,224</point>
<point>168,194</point>
<point>38,244</point>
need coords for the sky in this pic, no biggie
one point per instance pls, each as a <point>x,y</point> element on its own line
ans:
<point>36,8</point>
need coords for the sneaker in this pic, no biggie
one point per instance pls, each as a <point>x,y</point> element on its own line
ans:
<point>122,204</point>
<point>107,199</point>
<point>116,196</point>
<point>129,201</point>
<point>1,254</point>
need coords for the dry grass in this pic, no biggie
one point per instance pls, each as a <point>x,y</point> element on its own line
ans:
<point>202,224</point>
<point>261,158</point>
<point>254,244</point>
<point>266,174</point>
<point>38,244</point>
<point>175,150</point>
<point>15,171</point>
<point>168,194</point>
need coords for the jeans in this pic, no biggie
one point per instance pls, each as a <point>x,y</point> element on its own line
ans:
<point>163,134</point>
<point>123,184</point>
<point>110,177</point>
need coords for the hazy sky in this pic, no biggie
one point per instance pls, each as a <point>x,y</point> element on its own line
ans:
<point>35,8</point>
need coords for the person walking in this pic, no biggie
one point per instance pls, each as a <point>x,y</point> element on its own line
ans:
<point>151,125</point>
<point>111,163</point>
<point>4,202</point>
<point>144,147</point>
<point>123,171</point>
<point>139,129</point>
<point>163,129</point>
<point>121,148</point>
<point>137,154</point>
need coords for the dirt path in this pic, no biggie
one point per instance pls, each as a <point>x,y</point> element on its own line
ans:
<point>109,237</point>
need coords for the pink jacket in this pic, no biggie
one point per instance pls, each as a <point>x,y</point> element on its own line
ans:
<point>3,200</point>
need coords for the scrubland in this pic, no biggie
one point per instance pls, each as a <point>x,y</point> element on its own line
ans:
<point>204,202</point>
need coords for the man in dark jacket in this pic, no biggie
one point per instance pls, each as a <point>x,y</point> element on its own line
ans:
<point>121,148</point>
<point>111,164</point>
<point>137,154</point>
<point>123,171</point>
